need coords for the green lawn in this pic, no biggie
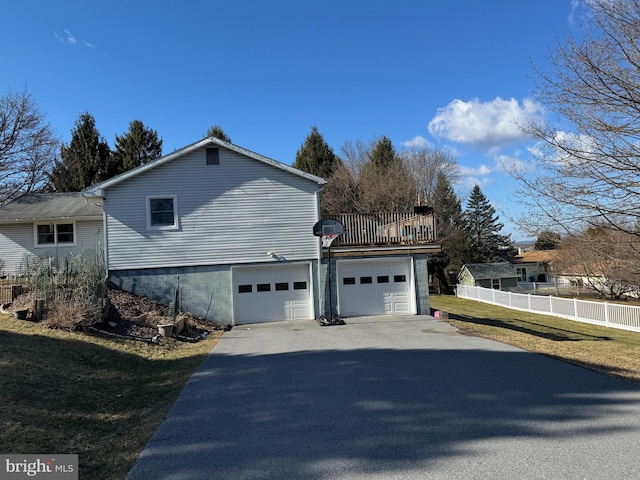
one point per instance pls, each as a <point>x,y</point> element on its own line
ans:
<point>607,350</point>
<point>74,393</point>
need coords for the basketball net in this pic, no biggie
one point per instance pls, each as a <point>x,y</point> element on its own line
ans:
<point>328,238</point>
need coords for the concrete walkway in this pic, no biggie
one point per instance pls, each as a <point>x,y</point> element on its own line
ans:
<point>391,398</point>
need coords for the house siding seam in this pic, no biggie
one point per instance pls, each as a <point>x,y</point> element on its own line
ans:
<point>231,213</point>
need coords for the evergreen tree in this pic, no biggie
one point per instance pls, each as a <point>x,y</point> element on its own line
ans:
<point>482,227</point>
<point>136,147</point>
<point>449,231</point>
<point>384,155</point>
<point>315,156</point>
<point>548,240</point>
<point>217,132</point>
<point>85,161</point>
<point>384,182</point>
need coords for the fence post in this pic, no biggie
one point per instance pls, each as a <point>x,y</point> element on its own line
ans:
<point>606,313</point>
<point>550,304</point>
<point>575,308</point>
<point>529,301</point>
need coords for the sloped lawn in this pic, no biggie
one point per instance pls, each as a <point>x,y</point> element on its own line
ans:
<point>607,350</point>
<point>101,398</point>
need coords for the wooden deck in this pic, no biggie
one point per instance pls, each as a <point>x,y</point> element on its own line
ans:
<point>386,229</point>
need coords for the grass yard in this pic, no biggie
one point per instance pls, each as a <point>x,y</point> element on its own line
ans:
<point>100,398</point>
<point>606,350</point>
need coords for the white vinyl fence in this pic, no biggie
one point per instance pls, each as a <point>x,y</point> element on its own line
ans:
<point>612,315</point>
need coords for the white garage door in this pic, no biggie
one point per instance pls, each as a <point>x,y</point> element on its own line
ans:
<point>272,293</point>
<point>375,287</point>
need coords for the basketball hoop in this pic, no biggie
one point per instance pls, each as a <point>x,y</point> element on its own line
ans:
<point>328,238</point>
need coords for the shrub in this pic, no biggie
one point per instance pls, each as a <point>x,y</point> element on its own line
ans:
<point>67,317</point>
<point>74,294</point>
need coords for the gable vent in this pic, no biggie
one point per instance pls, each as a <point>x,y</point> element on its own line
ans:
<point>213,156</point>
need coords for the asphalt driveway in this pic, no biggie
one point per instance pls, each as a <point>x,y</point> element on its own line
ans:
<point>391,398</point>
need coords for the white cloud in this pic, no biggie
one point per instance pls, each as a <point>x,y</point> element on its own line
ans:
<point>488,125</point>
<point>417,142</point>
<point>509,163</point>
<point>480,170</point>
<point>574,6</point>
<point>69,39</point>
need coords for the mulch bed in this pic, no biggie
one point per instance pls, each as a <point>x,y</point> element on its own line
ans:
<point>134,316</point>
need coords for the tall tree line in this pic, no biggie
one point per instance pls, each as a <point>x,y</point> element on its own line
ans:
<point>88,159</point>
<point>373,177</point>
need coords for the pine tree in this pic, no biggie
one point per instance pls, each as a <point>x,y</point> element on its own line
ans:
<point>548,240</point>
<point>384,182</point>
<point>482,226</point>
<point>449,230</point>
<point>85,161</point>
<point>217,132</point>
<point>315,156</point>
<point>384,155</point>
<point>136,147</point>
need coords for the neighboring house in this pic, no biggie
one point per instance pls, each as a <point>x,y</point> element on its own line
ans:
<point>499,275</point>
<point>535,265</point>
<point>232,232</point>
<point>48,225</point>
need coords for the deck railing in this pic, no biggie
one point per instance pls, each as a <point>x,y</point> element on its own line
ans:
<point>386,229</point>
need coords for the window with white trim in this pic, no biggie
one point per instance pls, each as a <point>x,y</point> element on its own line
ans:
<point>51,234</point>
<point>522,274</point>
<point>162,212</point>
<point>495,283</point>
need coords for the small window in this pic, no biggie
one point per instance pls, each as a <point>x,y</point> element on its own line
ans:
<point>162,212</point>
<point>245,289</point>
<point>495,283</point>
<point>213,156</point>
<point>55,234</point>
<point>349,281</point>
<point>64,232</point>
<point>299,285</point>
<point>282,286</point>
<point>366,280</point>
<point>46,235</point>
<point>263,287</point>
<point>383,279</point>
<point>399,278</point>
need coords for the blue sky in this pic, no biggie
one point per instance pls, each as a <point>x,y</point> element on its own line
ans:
<point>452,74</point>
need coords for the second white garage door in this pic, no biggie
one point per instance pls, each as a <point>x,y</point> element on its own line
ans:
<point>375,287</point>
<point>272,293</point>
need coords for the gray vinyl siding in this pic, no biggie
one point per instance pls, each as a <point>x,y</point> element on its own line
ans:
<point>230,213</point>
<point>17,241</point>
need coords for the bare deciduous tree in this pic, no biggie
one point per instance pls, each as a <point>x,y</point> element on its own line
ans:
<point>382,181</point>
<point>340,195</point>
<point>605,259</point>
<point>590,172</point>
<point>27,145</point>
<point>424,164</point>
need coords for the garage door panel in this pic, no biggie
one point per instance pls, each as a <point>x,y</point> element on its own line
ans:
<point>375,287</point>
<point>272,293</point>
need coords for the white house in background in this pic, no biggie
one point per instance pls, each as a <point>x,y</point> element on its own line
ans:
<point>48,225</point>
<point>232,230</point>
<point>535,265</point>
